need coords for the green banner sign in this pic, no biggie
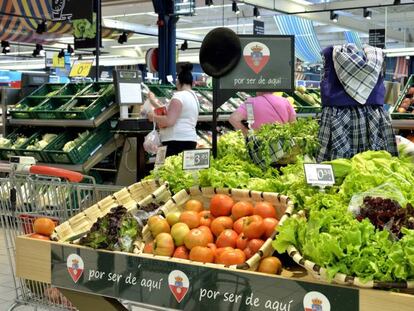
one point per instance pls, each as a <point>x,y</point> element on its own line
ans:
<point>190,287</point>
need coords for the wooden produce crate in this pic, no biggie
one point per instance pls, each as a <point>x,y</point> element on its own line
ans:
<point>132,198</point>
<point>108,276</point>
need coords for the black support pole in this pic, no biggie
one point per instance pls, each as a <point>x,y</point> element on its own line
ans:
<point>98,38</point>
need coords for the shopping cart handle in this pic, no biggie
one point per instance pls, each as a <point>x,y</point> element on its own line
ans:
<point>56,172</point>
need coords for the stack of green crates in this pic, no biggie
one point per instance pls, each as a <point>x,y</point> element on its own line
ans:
<point>84,148</point>
<point>65,101</point>
<point>7,152</point>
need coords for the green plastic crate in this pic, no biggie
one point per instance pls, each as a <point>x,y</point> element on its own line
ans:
<point>403,115</point>
<point>72,89</point>
<point>49,109</point>
<point>48,90</point>
<point>24,108</point>
<point>38,154</point>
<point>82,151</point>
<point>160,91</point>
<point>93,107</point>
<point>103,90</point>
<point>6,153</point>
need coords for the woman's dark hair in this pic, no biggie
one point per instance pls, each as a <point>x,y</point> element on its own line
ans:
<point>185,76</point>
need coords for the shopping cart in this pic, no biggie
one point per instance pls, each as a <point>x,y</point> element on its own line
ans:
<point>34,191</point>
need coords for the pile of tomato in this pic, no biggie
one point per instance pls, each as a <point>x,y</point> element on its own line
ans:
<point>228,233</point>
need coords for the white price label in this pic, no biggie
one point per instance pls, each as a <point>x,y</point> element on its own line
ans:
<point>150,75</point>
<point>170,79</point>
<point>250,115</point>
<point>196,159</point>
<point>319,174</point>
<point>160,157</point>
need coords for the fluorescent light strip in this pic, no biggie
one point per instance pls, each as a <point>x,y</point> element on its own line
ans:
<point>133,45</point>
<point>212,27</point>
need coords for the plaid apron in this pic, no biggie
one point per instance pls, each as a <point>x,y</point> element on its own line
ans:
<point>345,132</point>
<point>358,71</point>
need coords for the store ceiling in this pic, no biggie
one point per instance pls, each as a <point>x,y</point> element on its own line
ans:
<point>139,15</point>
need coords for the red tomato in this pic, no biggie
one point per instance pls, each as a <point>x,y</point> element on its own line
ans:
<point>208,233</point>
<point>270,225</point>
<point>193,205</point>
<point>149,248</point>
<point>255,245</point>
<point>227,238</point>
<point>238,225</point>
<point>39,237</point>
<point>221,223</point>
<point>220,205</point>
<point>213,247</point>
<point>191,218</point>
<point>202,254</point>
<point>271,265</point>
<point>196,237</point>
<point>248,252</point>
<point>241,241</point>
<point>219,251</point>
<point>232,257</point>
<point>181,252</point>
<point>241,209</point>
<point>253,227</point>
<point>164,245</point>
<point>264,209</point>
<point>205,218</point>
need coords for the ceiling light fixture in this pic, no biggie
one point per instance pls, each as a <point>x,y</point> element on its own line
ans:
<point>209,2</point>
<point>41,27</point>
<point>123,38</point>
<point>367,13</point>
<point>71,51</point>
<point>184,46</point>
<point>256,12</point>
<point>38,51</point>
<point>334,17</point>
<point>6,46</point>
<point>397,2</point>
<point>235,8</point>
<point>61,53</point>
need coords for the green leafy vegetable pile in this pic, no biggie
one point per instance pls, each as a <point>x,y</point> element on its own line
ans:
<point>295,138</point>
<point>333,238</point>
<point>116,231</point>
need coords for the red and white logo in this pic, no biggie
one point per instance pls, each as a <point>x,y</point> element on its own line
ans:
<point>256,56</point>
<point>316,301</point>
<point>179,284</point>
<point>75,267</point>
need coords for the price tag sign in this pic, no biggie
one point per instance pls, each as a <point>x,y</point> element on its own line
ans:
<point>196,159</point>
<point>160,157</point>
<point>250,115</point>
<point>319,174</point>
<point>170,79</point>
<point>81,68</point>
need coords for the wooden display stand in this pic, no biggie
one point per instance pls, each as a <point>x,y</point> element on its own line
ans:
<point>47,266</point>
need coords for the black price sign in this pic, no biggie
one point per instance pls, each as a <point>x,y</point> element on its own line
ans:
<point>196,159</point>
<point>319,174</point>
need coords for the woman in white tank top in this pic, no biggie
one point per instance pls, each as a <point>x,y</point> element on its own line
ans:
<point>178,126</point>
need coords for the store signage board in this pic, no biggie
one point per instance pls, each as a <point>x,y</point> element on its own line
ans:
<point>319,174</point>
<point>161,154</point>
<point>196,159</point>
<point>128,87</point>
<point>258,27</point>
<point>267,64</point>
<point>168,284</point>
<point>377,38</point>
<point>81,68</point>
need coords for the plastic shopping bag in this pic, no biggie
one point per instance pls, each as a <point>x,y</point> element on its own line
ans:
<point>152,141</point>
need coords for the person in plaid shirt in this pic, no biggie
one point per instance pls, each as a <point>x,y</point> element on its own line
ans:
<point>353,117</point>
